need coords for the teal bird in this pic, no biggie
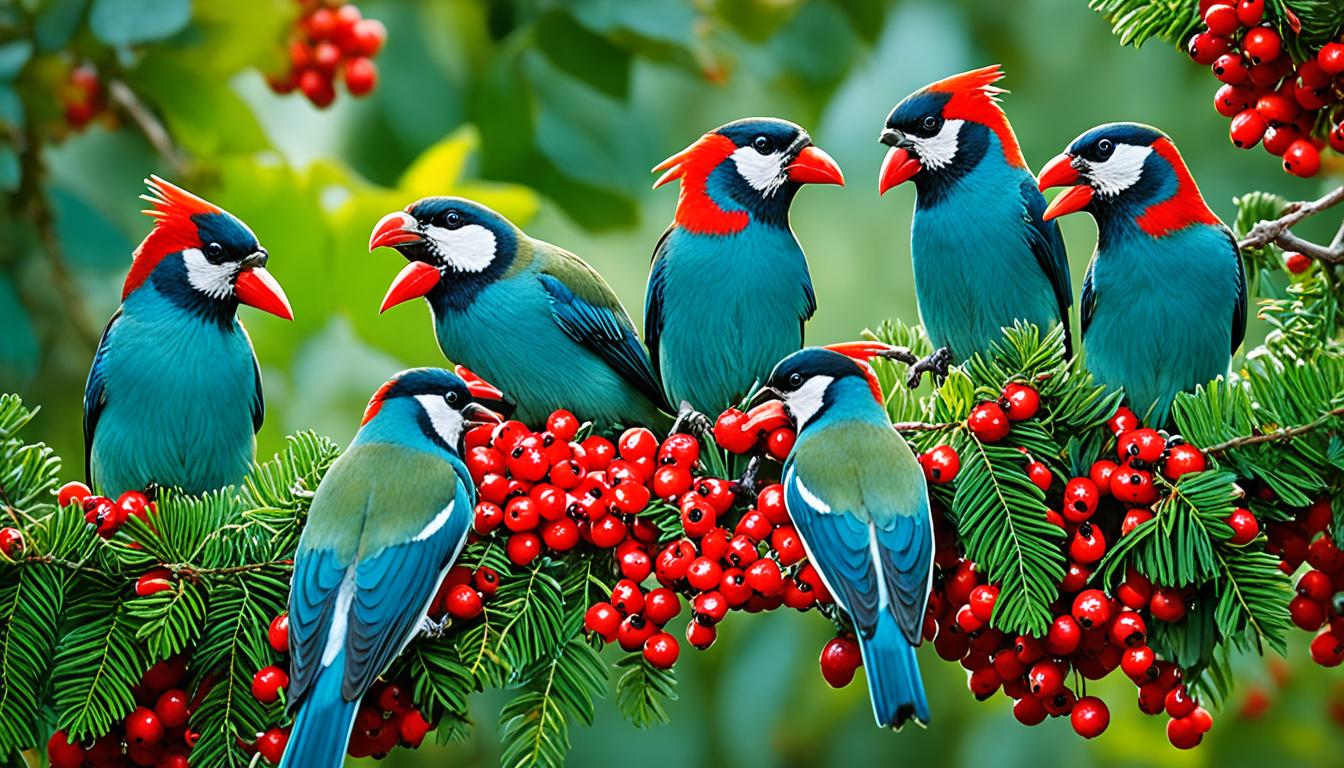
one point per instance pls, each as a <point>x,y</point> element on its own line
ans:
<point>388,519</point>
<point>1164,299</point>
<point>856,495</point>
<point>983,256</point>
<point>174,394</point>
<point>729,290</point>
<point>530,317</point>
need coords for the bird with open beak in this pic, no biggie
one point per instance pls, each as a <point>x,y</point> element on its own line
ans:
<point>1163,305</point>
<point>174,395</point>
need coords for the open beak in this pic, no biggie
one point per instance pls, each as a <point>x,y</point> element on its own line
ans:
<point>813,166</point>
<point>255,287</point>
<point>1059,173</point>
<point>413,281</point>
<point>673,167</point>
<point>898,167</point>
<point>485,393</point>
<point>768,416</point>
<point>396,228</point>
<point>477,415</point>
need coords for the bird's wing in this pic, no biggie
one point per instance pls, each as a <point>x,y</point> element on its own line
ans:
<point>95,395</point>
<point>1087,301</point>
<point>258,400</point>
<point>857,497</point>
<point>588,311</point>
<point>1238,309</point>
<point>1048,246</point>
<point>653,301</point>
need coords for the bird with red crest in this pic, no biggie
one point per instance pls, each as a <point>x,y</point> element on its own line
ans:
<point>984,256</point>
<point>174,395</point>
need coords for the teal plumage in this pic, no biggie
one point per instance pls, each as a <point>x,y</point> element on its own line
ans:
<point>174,394</point>
<point>388,519</point>
<point>1163,306</point>
<point>527,316</point>
<point>856,494</point>
<point>729,289</point>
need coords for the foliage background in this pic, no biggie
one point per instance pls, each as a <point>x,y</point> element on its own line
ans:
<point>553,112</point>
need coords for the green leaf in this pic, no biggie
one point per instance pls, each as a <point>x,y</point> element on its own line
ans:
<point>203,113</point>
<point>98,662</point>
<point>583,54</point>
<point>643,691</point>
<point>128,22</point>
<point>13,55</point>
<point>57,22</point>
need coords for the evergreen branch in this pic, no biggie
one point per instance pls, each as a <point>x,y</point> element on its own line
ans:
<point>1277,435</point>
<point>642,690</point>
<point>1277,230</point>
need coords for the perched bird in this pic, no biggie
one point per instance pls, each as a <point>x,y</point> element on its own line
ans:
<point>856,495</point>
<point>174,395</point>
<point>1164,299</point>
<point>983,255</point>
<point>530,317</point>
<point>387,521</point>
<point>729,289</point>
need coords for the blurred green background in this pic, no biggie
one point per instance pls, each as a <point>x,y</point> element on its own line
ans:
<point>553,113</point>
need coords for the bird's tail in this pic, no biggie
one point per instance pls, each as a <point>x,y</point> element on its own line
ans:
<point>323,724</point>
<point>894,684</point>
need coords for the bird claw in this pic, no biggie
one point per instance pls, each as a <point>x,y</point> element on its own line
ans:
<point>695,420</point>
<point>432,629</point>
<point>745,486</point>
<point>936,364</point>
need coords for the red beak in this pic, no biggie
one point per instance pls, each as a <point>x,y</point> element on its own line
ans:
<point>898,167</point>
<point>766,417</point>
<point>814,166</point>
<point>396,228</point>
<point>1058,173</point>
<point>256,288</point>
<point>486,394</point>
<point>415,280</point>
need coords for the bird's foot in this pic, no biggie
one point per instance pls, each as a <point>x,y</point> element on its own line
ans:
<point>937,364</point>
<point>745,486</point>
<point>689,418</point>
<point>151,492</point>
<point>433,629</point>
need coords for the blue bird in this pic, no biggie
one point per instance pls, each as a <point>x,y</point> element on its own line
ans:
<point>1164,299</point>
<point>387,521</point>
<point>530,317</point>
<point>729,290</point>
<point>983,255</point>
<point>174,394</point>
<point>856,495</point>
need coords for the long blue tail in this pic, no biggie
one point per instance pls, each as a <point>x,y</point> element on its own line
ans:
<point>322,727</point>
<point>893,676</point>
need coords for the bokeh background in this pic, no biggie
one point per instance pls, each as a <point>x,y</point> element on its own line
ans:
<point>553,112</point>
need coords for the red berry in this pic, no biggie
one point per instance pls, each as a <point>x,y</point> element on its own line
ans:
<point>699,635</point>
<point>1183,734</point>
<point>754,526</point>
<point>627,597</point>
<point>1092,608</point>
<point>1122,421</point>
<point>1295,262</point>
<point>1145,444</point>
<point>1183,459</point>
<point>172,708</point>
<point>779,443</point>
<point>1080,499</point>
<point>988,422</point>
<point>367,38</point>
<point>1277,108</point>
<point>73,492</point>
<point>560,535</point>
<point>154,581</point>
<point>635,563</point>
<point>1262,44</point>
<point>661,605</point>
<point>697,519</point>
<point>1029,711</point>
<point>1247,128</point>
<point>1133,486</point>
<point>1090,715</point>
<point>1137,662</point>
<point>11,542</point>
<point>277,634</point>
<point>1250,12</point>
<point>413,728</point>
<point>1100,474</point>
<point>765,577</point>
<point>770,502</point>
<point>523,548</point>
<point>1206,47</point>
<point>317,88</point>
<point>1063,637</point>
<point>671,481</point>
<point>1306,613</point>
<point>1244,526</point>
<point>1020,401</point>
<point>982,601</point>
<point>680,450</point>
<point>488,517</point>
<point>1128,630</point>
<point>1331,58</point>
<point>1327,650</point>
<point>1232,99</point>
<point>788,547</point>
<point>1075,578</point>
<point>272,743</point>
<point>710,607</point>
<point>661,650</point>
<point>1178,702</point>
<point>1302,159</point>
<point>602,619</point>
<point>1134,517</point>
<point>1046,679</point>
<point>728,432</point>
<point>637,443</point>
<point>941,464</point>
<point>840,657</point>
<point>1040,475</point>
<point>1167,605</point>
<point>1323,555</point>
<point>267,682</point>
<point>1088,545</point>
<point>633,631</point>
<point>1278,138</point>
<point>704,574</point>
<point>463,603</point>
<point>62,753</point>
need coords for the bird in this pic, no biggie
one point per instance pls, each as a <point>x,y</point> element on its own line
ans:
<point>174,394</point>
<point>984,257</point>
<point>387,521</point>
<point>528,316</point>
<point>1163,304</point>
<point>729,290</point>
<point>857,497</point>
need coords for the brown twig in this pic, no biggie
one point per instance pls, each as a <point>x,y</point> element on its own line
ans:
<point>148,122</point>
<point>920,426</point>
<point>1287,433</point>
<point>1277,230</point>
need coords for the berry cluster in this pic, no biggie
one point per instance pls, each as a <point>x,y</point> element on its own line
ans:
<point>1318,607</point>
<point>82,97</point>
<point>156,733</point>
<point>106,515</point>
<point>331,40</point>
<point>1271,99</point>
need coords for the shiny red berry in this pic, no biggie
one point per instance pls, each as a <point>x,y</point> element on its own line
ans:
<point>1295,262</point>
<point>1100,474</point>
<point>728,432</point>
<point>1020,401</point>
<point>637,443</point>
<point>1167,605</point>
<point>1247,128</point>
<point>1230,100</point>
<point>700,636</point>
<point>680,450</point>
<point>1206,47</point>
<point>1133,486</point>
<point>1244,526</point>
<point>1080,499</point>
<point>1040,475</point>
<point>1302,158</point>
<point>1122,421</point>
<point>1063,637</point>
<point>1137,662</point>
<point>603,620</point>
<point>840,657</point>
<point>1045,679</point>
<point>1144,444</point>
<point>988,422</point>
<point>1183,459</point>
<point>1262,44</point>
<point>1090,717</point>
<point>710,607</point>
<point>661,605</point>
<point>1327,650</point>
<point>633,631</point>
<point>172,708</point>
<point>523,548</point>
<point>272,743</point>
<point>267,682</point>
<point>463,603</point>
<point>11,542</point>
<point>1092,608</point>
<point>1306,613</point>
<point>62,753</point>
<point>277,634</point>
<point>73,492</point>
<point>661,650</point>
<point>1088,544</point>
<point>941,464</point>
<point>982,601</point>
<point>1250,12</point>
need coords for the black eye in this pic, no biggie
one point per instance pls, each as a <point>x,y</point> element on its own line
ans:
<point>451,398</point>
<point>1105,148</point>
<point>795,380</point>
<point>763,144</point>
<point>930,122</point>
<point>452,219</point>
<point>214,251</point>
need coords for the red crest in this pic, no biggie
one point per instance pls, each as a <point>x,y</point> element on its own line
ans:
<point>975,98</point>
<point>171,207</point>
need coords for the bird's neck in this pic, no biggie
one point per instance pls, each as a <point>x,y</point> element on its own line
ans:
<point>167,291</point>
<point>978,154</point>
<point>1165,200</point>
<point>400,421</point>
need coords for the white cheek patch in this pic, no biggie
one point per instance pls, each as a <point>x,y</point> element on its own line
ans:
<point>466,249</point>
<point>938,151</point>
<point>1120,171</point>
<point>214,280</point>
<point>805,401</point>
<point>446,420</point>
<point>765,173</point>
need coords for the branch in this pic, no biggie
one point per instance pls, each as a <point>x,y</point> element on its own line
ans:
<point>1277,230</point>
<point>920,426</point>
<point>149,124</point>
<point>1277,435</point>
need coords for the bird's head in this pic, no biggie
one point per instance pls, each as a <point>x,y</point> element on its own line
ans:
<point>202,257</point>
<point>802,384</point>
<point>444,239</point>
<point>747,170</point>
<point>439,403</point>
<point>942,131</point>
<point>1130,170</point>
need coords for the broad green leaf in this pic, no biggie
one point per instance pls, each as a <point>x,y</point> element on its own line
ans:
<point>204,114</point>
<point>13,56</point>
<point>127,22</point>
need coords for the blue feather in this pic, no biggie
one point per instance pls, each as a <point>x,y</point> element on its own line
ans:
<point>322,725</point>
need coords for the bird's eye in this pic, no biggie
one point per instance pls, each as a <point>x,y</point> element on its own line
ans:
<point>930,122</point>
<point>214,251</point>
<point>1105,148</point>
<point>763,144</point>
<point>452,219</point>
<point>795,380</point>
<point>451,398</point>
